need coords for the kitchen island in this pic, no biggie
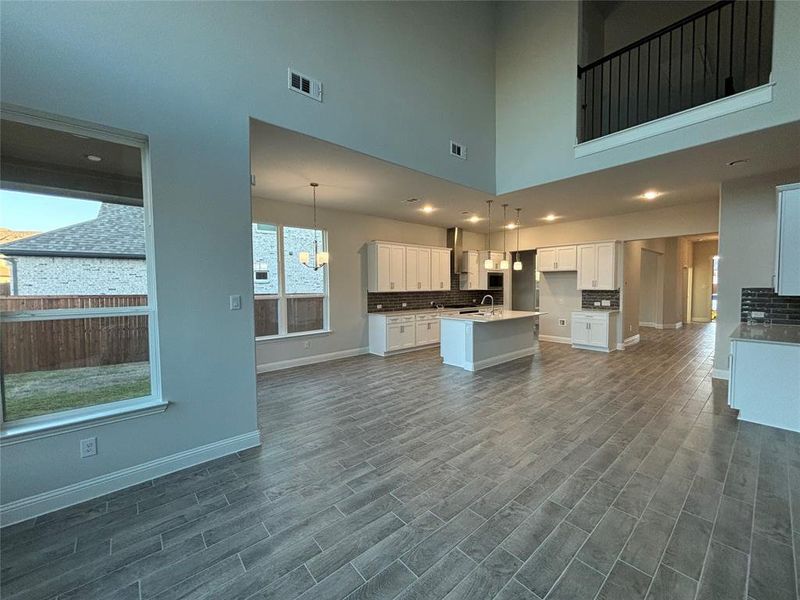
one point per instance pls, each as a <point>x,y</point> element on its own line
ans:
<point>480,340</point>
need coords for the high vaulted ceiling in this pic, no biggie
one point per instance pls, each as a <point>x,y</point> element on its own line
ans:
<point>285,162</point>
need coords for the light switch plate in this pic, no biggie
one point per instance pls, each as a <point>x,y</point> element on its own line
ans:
<point>405,304</point>
<point>597,304</point>
<point>605,302</point>
<point>236,302</point>
<point>757,314</point>
<point>380,306</point>
<point>562,322</point>
<point>88,447</point>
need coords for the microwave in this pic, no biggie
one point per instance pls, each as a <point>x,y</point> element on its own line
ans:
<point>494,280</point>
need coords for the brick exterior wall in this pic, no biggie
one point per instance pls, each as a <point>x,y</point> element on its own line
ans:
<point>299,279</point>
<point>414,300</point>
<point>781,310</point>
<point>64,276</point>
<point>589,297</point>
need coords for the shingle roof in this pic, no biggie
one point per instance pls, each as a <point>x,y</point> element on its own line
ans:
<point>117,231</point>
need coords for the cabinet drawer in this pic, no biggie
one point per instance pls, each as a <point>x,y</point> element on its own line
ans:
<point>403,319</point>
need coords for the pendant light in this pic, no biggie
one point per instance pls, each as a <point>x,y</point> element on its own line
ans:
<point>504,262</point>
<point>320,258</point>
<point>517,261</point>
<point>489,263</point>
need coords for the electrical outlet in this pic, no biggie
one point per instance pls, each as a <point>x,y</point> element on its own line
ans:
<point>605,302</point>
<point>380,306</point>
<point>405,304</point>
<point>88,447</point>
<point>597,304</point>
<point>562,322</point>
<point>236,302</point>
<point>307,344</point>
<point>757,314</point>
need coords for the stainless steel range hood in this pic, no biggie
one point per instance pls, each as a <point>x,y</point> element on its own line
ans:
<point>455,241</point>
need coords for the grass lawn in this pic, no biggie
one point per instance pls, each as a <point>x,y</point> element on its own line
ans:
<point>42,392</point>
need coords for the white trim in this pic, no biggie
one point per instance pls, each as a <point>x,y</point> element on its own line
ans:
<point>39,504</point>
<point>629,341</point>
<point>698,320</point>
<point>555,338</point>
<point>497,360</point>
<point>648,324</point>
<point>24,430</point>
<point>720,373</point>
<point>309,360</point>
<point>297,334</point>
<point>685,118</point>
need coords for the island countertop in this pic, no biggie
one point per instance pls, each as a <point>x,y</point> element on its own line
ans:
<point>505,315</point>
<point>769,334</point>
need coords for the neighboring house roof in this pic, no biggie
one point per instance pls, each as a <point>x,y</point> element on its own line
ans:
<point>116,232</point>
<point>9,235</point>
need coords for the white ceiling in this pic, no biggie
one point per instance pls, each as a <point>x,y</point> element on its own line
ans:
<point>284,162</point>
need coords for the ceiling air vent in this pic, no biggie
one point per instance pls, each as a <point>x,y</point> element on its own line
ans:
<point>458,150</point>
<point>305,85</point>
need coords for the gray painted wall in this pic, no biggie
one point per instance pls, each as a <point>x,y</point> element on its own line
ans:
<point>537,53</point>
<point>401,80</point>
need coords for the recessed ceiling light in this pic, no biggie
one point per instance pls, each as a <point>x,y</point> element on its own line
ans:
<point>427,208</point>
<point>511,226</point>
<point>93,157</point>
<point>650,195</point>
<point>551,217</point>
<point>740,161</point>
<point>474,219</point>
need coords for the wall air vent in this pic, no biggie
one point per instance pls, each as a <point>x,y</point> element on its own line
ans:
<point>305,85</point>
<point>458,150</point>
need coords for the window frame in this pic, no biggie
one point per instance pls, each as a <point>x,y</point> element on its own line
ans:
<point>282,296</point>
<point>57,422</point>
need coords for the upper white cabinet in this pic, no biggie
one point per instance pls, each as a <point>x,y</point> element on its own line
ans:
<point>560,258</point>
<point>393,267</point>
<point>597,266</point>
<point>440,269</point>
<point>469,278</point>
<point>787,255</point>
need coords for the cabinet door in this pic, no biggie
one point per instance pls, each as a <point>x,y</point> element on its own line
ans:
<point>424,268</point>
<point>546,260</point>
<point>433,331</point>
<point>580,331</point>
<point>384,270</point>
<point>787,271</point>
<point>436,278</point>
<point>598,333</point>
<point>422,333</point>
<point>587,266</point>
<point>604,272</point>
<point>566,258</point>
<point>394,337</point>
<point>443,281</point>
<point>408,338</point>
<point>412,269</point>
<point>397,268</point>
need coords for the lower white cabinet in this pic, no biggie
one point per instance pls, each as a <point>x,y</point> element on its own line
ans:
<point>595,330</point>
<point>389,334</point>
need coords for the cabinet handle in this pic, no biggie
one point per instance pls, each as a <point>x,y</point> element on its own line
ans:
<point>391,285</point>
<point>555,265</point>
<point>402,329</point>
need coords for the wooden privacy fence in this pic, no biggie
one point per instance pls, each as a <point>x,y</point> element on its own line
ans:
<point>67,343</point>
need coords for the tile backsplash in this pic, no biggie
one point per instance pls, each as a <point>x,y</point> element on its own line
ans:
<point>781,310</point>
<point>589,297</point>
<point>413,300</point>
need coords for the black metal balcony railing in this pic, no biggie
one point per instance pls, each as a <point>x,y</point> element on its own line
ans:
<point>721,50</point>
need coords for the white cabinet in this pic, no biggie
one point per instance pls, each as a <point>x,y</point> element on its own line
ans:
<point>389,334</point>
<point>595,330</point>
<point>418,269</point>
<point>597,266</point>
<point>787,252</point>
<point>440,269</point>
<point>427,330</point>
<point>386,267</point>
<point>400,336</point>
<point>470,273</point>
<point>560,258</point>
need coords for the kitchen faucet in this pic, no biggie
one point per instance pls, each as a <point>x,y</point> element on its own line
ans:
<point>490,297</point>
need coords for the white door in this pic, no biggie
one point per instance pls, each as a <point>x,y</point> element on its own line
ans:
<point>394,337</point>
<point>384,268</point>
<point>412,269</point>
<point>422,333</point>
<point>546,260</point>
<point>436,278</point>
<point>587,265</point>
<point>397,268</point>
<point>424,268</point>
<point>566,258</point>
<point>604,272</point>
<point>598,333</point>
<point>443,281</point>
<point>580,331</point>
<point>408,338</point>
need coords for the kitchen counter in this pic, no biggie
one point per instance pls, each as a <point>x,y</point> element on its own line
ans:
<point>769,334</point>
<point>474,341</point>
<point>415,311</point>
<point>500,315</point>
<point>600,310</point>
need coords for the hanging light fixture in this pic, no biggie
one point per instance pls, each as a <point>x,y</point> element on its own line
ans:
<point>320,258</point>
<point>504,262</point>
<point>489,263</point>
<point>517,261</point>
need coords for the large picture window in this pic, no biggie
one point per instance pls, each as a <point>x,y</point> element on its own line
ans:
<point>77,312</point>
<point>290,298</point>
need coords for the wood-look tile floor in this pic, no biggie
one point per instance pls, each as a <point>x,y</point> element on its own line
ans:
<point>571,475</point>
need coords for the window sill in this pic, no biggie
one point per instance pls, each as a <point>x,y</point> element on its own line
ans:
<point>15,432</point>
<point>289,336</point>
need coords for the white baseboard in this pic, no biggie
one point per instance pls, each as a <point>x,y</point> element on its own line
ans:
<point>677,325</point>
<point>497,360</point>
<point>720,373</point>
<point>555,338</point>
<point>647,324</point>
<point>700,320</point>
<point>629,341</point>
<point>40,504</point>
<point>309,360</point>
